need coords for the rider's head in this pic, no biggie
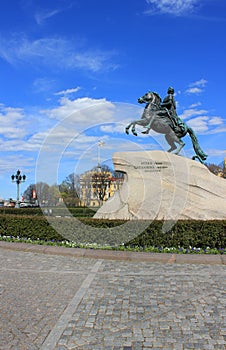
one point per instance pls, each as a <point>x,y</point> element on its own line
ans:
<point>170,90</point>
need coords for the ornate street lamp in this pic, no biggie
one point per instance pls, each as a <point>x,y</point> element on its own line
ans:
<point>18,178</point>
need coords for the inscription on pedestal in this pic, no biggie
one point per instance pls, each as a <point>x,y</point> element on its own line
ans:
<point>151,166</point>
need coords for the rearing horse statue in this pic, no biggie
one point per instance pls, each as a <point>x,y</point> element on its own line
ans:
<point>159,119</point>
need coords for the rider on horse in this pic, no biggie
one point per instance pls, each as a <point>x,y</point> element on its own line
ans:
<point>168,106</point>
<point>162,118</point>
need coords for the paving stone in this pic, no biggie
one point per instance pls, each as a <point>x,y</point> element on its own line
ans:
<point>70,302</point>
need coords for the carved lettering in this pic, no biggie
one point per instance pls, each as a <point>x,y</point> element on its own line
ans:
<point>151,166</point>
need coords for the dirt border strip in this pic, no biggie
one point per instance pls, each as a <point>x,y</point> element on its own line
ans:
<point>167,258</point>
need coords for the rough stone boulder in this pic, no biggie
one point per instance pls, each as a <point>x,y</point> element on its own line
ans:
<point>161,185</point>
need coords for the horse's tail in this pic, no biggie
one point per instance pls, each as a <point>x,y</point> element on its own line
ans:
<point>200,154</point>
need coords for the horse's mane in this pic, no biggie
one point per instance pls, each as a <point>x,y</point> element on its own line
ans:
<point>157,95</point>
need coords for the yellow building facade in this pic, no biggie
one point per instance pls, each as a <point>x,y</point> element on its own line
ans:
<point>97,186</point>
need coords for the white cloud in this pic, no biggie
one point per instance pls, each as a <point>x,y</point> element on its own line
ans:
<point>68,91</point>
<point>207,124</point>
<point>21,130</point>
<point>216,121</point>
<point>114,128</point>
<point>84,111</point>
<point>173,7</point>
<point>218,130</point>
<point>201,82</point>
<point>194,90</point>
<point>192,112</point>
<point>11,162</point>
<point>197,87</point>
<point>200,124</point>
<point>41,16</point>
<point>26,131</point>
<point>197,104</point>
<point>217,152</point>
<point>54,52</point>
<point>12,122</point>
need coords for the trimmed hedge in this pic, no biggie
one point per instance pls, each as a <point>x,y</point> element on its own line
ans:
<point>33,227</point>
<point>185,233</point>
<point>20,211</point>
<point>59,211</point>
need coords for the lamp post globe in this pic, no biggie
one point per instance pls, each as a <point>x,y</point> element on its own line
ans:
<point>18,178</point>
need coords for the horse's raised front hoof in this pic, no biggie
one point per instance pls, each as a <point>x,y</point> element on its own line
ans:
<point>127,131</point>
<point>134,133</point>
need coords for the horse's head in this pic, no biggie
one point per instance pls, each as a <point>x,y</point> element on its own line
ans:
<point>150,97</point>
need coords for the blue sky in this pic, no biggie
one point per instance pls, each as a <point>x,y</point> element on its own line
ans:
<point>72,70</point>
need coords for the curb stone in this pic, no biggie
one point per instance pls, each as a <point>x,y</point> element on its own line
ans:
<point>167,258</point>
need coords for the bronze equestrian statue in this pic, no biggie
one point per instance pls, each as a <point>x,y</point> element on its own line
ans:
<point>162,118</point>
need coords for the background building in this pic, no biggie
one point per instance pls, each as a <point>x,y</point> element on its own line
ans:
<point>97,185</point>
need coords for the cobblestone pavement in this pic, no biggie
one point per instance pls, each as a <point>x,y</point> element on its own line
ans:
<point>68,302</point>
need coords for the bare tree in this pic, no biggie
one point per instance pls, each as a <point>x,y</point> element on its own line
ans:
<point>45,194</point>
<point>215,169</point>
<point>70,190</point>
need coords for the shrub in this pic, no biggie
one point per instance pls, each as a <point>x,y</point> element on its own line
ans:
<point>185,233</point>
